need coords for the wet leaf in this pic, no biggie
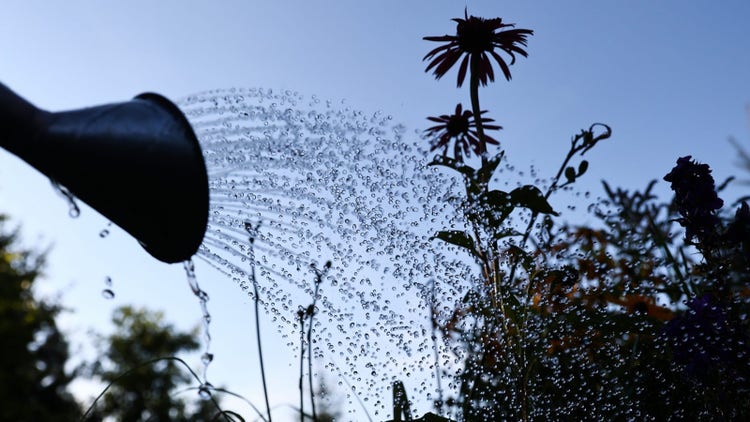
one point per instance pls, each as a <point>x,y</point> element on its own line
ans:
<point>505,233</point>
<point>521,256</point>
<point>498,198</point>
<point>500,205</point>
<point>531,197</point>
<point>456,237</point>
<point>510,307</point>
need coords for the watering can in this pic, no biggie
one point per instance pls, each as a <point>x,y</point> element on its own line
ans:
<point>137,162</point>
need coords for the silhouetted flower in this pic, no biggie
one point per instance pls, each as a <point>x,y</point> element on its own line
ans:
<point>476,37</point>
<point>695,198</point>
<point>460,126</point>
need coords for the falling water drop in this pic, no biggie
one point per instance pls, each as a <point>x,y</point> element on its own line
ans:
<point>107,292</point>
<point>105,231</point>
<point>204,391</point>
<point>202,296</point>
<point>73,210</point>
<point>207,358</point>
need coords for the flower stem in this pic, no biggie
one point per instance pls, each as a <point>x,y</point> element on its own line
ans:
<point>301,366</point>
<point>318,280</point>
<point>433,321</point>
<point>256,302</point>
<point>474,89</point>
<point>553,187</point>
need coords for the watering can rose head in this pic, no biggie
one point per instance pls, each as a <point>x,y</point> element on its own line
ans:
<point>137,162</point>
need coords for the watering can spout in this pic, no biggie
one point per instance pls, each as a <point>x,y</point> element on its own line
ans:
<point>138,163</point>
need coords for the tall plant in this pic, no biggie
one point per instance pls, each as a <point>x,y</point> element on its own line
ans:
<point>583,322</point>
<point>493,321</point>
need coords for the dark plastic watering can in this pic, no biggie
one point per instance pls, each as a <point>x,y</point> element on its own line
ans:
<point>137,162</point>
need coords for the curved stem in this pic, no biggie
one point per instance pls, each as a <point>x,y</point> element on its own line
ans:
<point>142,365</point>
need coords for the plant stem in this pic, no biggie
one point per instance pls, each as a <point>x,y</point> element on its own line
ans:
<point>659,238</point>
<point>301,366</point>
<point>318,280</point>
<point>353,390</point>
<point>474,88</point>
<point>439,404</point>
<point>145,364</point>
<point>256,302</point>
<point>524,408</point>
<point>476,111</point>
<point>535,214</point>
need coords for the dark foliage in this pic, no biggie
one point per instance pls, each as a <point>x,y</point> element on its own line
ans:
<point>143,387</point>
<point>34,381</point>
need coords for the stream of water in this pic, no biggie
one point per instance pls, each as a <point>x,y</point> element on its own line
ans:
<point>307,182</point>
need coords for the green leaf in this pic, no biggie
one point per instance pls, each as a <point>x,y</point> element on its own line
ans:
<point>456,237</point>
<point>570,174</point>
<point>531,197</point>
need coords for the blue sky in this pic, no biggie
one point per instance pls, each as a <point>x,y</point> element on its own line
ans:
<point>670,78</point>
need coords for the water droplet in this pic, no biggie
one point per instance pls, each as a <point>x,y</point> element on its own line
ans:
<point>204,391</point>
<point>341,188</point>
<point>207,358</point>
<point>73,210</point>
<point>203,302</point>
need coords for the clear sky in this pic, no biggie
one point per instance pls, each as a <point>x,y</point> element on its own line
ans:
<point>669,77</point>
